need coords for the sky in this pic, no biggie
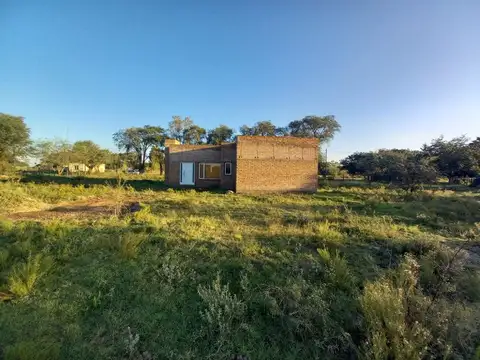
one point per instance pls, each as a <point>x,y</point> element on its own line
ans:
<point>396,74</point>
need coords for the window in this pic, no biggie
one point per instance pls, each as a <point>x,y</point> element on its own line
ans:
<point>75,167</point>
<point>228,168</point>
<point>209,171</point>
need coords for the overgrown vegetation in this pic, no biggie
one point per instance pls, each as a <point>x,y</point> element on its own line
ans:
<point>367,273</point>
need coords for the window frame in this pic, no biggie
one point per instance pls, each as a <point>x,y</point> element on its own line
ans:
<point>201,171</point>
<point>229,163</point>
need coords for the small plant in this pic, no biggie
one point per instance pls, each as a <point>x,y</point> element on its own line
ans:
<point>4,254</point>
<point>24,277</point>
<point>129,244</point>
<point>337,268</point>
<point>223,311</point>
<point>131,343</point>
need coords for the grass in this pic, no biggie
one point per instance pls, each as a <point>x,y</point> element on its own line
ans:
<point>348,272</point>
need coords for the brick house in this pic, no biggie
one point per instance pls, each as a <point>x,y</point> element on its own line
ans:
<point>253,163</point>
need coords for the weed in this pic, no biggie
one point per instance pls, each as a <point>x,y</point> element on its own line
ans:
<point>223,310</point>
<point>386,305</point>
<point>24,276</point>
<point>129,243</point>
<point>29,350</point>
<point>381,285</point>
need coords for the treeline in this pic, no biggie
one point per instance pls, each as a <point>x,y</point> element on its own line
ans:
<point>146,143</point>
<point>455,159</point>
<point>140,147</point>
<point>143,147</point>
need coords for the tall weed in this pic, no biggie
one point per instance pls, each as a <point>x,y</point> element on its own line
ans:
<point>223,311</point>
<point>24,276</point>
<point>388,306</point>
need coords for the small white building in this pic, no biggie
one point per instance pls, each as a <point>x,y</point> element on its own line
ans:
<point>82,168</point>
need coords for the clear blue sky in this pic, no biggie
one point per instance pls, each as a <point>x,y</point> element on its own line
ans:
<point>395,73</point>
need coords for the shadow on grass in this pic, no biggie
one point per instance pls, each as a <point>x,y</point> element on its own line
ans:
<point>455,214</point>
<point>86,181</point>
<point>140,184</point>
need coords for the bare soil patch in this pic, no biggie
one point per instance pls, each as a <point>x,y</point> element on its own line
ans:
<point>77,209</point>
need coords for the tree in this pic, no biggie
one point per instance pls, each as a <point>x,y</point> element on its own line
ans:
<point>139,140</point>
<point>194,135</point>
<point>475,150</point>
<point>453,158</point>
<point>410,168</point>
<point>261,128</point>
<point>219,135</point>
<point>323,128</point>
<point>361,163</point>
<point>14,139</point>
<point>178,126</point>
<point>56,153</point>
<point>157,159</point>
<point>89,153</point>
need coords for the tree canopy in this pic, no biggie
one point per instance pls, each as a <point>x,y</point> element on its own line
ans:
<point>261,128</point>
<point>194,135</point>
<point>177,128</point>
<point>55,153</point>
<point>453,158</point>
<point>139,140</point>
<point>89,153</point>
<point>410,168</point>
<point>323,128</point>
<point>221,134</point>
<point>14,138</point>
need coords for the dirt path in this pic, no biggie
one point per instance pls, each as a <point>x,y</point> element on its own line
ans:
<point>90,208</point>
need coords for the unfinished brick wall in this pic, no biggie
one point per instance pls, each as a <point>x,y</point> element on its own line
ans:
<point>276,164</point>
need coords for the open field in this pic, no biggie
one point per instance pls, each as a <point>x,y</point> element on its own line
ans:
<point>346,273</point>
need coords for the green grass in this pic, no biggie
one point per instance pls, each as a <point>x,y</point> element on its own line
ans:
<point>348,272</point>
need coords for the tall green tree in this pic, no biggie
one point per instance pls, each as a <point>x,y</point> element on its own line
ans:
<point>178,126</point>
<point>139,140</point>
<point>475,150</point>
<point>89,153</point>
<point>194,135</point>
<point>157,159</point>
<point>323,128</point>
<point>55,153</point>
<point>453,158</point>
<point>409,168</point>
<point>221,134</point>
<point>261,128</point>
<point>14,139</point>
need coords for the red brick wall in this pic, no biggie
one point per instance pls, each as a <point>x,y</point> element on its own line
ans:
<point>276,164</point>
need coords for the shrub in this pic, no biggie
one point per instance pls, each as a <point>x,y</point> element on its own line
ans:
<point>337,268</point>
<point>129,243</point>
<point>223,310</point>
<point>387,305</point>
<point>24,276</point>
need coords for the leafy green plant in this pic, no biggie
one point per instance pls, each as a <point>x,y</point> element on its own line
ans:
<point>24,276</point>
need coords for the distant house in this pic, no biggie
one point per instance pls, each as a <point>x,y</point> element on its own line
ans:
<point>251,164</point>
<point>82,168</point>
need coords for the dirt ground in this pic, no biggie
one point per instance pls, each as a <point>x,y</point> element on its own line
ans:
<point>90,208</point>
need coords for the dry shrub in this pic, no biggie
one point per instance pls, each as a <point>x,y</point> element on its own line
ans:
<point>388,306</point>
